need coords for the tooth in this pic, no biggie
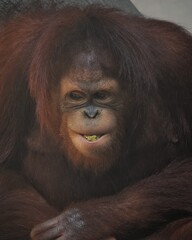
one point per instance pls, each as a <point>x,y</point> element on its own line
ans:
<point>91,138</point>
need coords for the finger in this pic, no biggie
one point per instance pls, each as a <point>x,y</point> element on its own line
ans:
<point>48,235</point>
<point>46,230</point>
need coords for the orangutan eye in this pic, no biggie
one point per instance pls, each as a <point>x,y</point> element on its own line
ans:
<point>101,95</point>
<point>75,96</point>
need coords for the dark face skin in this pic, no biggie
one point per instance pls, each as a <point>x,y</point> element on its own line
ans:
<point>91,107</point>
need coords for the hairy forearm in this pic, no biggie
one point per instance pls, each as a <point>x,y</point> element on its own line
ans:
<point>152,201</point>
<point>21,207</point>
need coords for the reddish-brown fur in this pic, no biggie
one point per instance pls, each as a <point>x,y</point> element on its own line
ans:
<point>148,190</point>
